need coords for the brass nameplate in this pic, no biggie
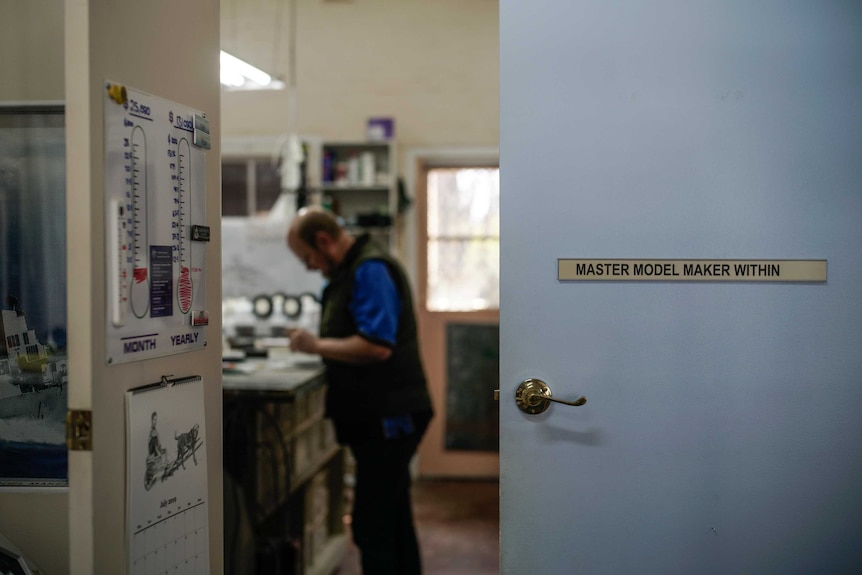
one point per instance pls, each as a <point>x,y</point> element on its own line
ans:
<point>804,271</point>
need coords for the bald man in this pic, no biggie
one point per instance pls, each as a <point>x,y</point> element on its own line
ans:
<point>377,393</point>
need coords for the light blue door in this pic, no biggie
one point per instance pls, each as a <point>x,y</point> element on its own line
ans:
<point>723,428</point>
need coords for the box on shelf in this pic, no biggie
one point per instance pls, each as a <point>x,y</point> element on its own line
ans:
<point>379,129</point>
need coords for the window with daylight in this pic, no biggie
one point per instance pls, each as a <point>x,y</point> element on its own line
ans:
<point>463,227</point>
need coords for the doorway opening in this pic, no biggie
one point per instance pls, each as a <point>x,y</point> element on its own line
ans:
<point>458,298</point>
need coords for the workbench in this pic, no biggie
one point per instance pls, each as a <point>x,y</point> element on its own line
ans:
<point>284,471</point>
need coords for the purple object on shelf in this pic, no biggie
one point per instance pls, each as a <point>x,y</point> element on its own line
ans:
<point>328,167</point>
<point>380,129</point>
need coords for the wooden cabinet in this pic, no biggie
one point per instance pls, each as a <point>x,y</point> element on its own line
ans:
<point>358,181</point>
<point>284,476</point>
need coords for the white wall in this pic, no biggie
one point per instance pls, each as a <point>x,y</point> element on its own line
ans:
<point>31,50</point>
<point>433,66</point>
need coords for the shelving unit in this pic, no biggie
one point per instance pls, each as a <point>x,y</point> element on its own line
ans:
<point>358,181</point>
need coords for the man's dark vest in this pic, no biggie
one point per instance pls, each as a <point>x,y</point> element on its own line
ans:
<point>396,386</point>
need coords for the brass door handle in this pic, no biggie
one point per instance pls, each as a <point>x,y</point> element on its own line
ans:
<point>534,396</point>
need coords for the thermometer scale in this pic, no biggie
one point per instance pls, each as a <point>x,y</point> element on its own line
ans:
<point>119,256</point>
<point>140,289</point>
<point>184,284</point>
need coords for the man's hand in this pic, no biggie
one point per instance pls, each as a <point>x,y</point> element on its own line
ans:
<point>303,341</point>
<point>352,349</point>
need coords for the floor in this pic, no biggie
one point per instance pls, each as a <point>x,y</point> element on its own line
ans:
<point>458,526</point>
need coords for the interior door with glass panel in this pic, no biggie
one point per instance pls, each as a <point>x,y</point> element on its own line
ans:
<point>458,300</point>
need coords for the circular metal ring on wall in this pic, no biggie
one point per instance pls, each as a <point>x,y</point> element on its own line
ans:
<point>292,306</point>
<point>261,306</point>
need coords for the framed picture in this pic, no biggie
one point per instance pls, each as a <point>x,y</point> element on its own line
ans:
<point>33,363</point>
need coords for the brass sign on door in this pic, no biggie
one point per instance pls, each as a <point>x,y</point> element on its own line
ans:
<point>667,270</point>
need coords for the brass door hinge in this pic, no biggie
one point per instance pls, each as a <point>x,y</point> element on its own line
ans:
<point>79,430</point>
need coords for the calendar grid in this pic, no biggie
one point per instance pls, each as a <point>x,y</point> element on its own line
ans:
<point>174,545</point>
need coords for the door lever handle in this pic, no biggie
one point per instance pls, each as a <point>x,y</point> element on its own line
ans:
<point>534,396</point>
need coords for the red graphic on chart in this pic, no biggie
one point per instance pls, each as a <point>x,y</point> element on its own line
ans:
<point>184,288</point>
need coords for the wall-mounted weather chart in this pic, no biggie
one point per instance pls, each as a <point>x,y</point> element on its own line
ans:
<point>156,225</point>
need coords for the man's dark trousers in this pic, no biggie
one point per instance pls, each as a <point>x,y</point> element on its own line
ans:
<point>382,521</point>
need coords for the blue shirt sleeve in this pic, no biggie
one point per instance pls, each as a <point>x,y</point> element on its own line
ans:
<point>376,303</point>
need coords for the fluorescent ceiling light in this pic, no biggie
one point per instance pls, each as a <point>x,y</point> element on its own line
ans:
<point>239,75</point>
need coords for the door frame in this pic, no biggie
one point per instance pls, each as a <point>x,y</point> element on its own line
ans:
<point>434,459</point>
